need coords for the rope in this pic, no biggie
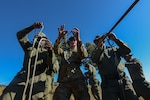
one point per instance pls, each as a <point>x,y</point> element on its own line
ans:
<point>29,66</point>
<point>42,28</point>
<point>28,74</point>
<point>34,70</point>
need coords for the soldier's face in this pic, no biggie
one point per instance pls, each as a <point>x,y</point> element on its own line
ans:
<point>42,43</point>
<point>99,42</point>
<point>127,58</point>
<point>72,43</point>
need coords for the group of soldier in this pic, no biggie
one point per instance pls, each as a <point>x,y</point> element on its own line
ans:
<point>42,61</point>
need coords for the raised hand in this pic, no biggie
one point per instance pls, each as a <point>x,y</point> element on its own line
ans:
<point>37,25</point>
<point>62,31</point>
<point>76,33</point>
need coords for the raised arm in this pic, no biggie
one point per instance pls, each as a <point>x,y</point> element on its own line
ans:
<point>22,35</point>
<point>62,32</point>
<point>123,47</point>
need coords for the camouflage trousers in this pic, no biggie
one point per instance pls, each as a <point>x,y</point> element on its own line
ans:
<point>40,90</point>
<point>96,91</point>
<point>112,89</point>
<point>77,87</point>
<point>142,88</point>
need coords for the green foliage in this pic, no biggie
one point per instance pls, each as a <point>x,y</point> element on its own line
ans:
<point>63,43</point>
<point>90,47</point>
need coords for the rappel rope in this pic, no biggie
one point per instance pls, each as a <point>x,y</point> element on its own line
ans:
<point>34,70</point>
<point>29,66</point>
<point>28,73</point>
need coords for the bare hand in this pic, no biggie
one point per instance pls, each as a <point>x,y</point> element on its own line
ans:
<point>76,33</point>
<point>48,44</point>
<point>37,25</point>
<point>61,31</point>
<point>112,36</point>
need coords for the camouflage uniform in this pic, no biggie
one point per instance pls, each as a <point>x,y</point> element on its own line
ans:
<point>115,84</point>
<point>93,81</point>
<point>141,86</point>
<point>44,67</point>
<point>71,79</point>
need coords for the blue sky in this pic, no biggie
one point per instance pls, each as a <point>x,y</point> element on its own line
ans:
<point>92,17</point>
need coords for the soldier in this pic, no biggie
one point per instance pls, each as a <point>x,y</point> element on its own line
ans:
<point>71,79</point>
<point>141,86</point>
<point>92,80</point>
<point>115,83</point>
<point>31,82</point>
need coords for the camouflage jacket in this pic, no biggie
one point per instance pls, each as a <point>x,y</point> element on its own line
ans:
<point>46,59</point>
<point>109,59</point>
<point>92,75</point>
<point>135,69</point>
<point>70,62</point>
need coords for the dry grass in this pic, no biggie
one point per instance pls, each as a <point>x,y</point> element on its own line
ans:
<point>2,87</point>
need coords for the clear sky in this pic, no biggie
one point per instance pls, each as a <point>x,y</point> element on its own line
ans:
<point>92,17</point>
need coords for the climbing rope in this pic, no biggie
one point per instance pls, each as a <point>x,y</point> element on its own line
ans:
<point>29,66</point>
